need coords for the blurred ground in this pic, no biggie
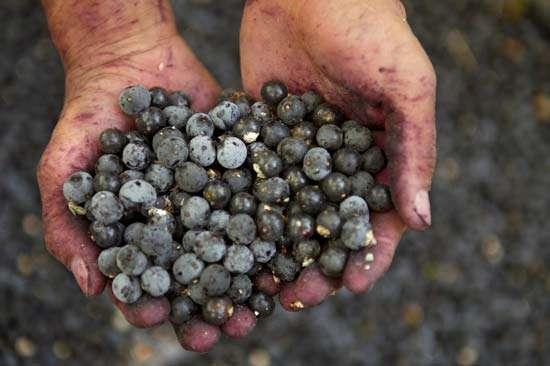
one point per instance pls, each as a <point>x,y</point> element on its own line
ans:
<point>475,289</point>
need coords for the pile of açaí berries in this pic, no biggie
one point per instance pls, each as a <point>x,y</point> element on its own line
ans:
<point>195,206</point>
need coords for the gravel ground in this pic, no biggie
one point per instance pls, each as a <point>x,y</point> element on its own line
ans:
<point>474,289</point>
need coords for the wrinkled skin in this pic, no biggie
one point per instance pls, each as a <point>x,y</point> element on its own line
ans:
<point>362,56</point>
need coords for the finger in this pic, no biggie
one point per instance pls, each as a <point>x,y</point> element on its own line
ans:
<point>366,266</point>
<point>241,322</point>
<point>147,312</point>
<point>267,283</point>
<point>197,335</point>
<point>410,145</point>
<point>310,289</point>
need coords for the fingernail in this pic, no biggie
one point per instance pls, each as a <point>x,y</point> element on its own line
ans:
<point>422,207</point>
<point>80,272</point>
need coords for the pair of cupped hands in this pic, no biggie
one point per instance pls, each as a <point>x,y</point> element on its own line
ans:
<point>360,55</point>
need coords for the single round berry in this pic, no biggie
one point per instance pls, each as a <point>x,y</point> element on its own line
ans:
<point>202,150</point>
<point>199,124</point>
<point>217,193</point>
<point>182,308</point>
<point>291,110</point>
<point>263,251</point>
<point>187,268</point>
<point>247,129</point>
<point>272,190</point>
<point>129,175</point>
<point>238,259</point>
<point>311,199</point>
<point>284,267</point>
<point>217,223</point>
<point>132,233</point>
<point>242,202</point>
<point>159,177</point>
<point>106,182</point>
<point>353,206</point>
<point>106,236</point>
<point>325,114</point>
<point>155,240</point>
<point>210,247</point>
<point>306,252</point>
<point>300,227</point>
<point>112,141</point>
<point>261,111</point>
<point>78,187</point>
<point>196,292</point>
<point>261,304</point>
<point>215,280</point>
<point>177,116</point>
<point>179,98</point>
<point>273,92</point>
<point>295,178</point>
<point>150,121</point>
<point>267,164</point>
<point>225,115</point>
<point>358,138</point>
<point>374,160</point>
<point>131,260</point>
<point>347,161</point>
<point>164,133</point>
<point>271,225</point>
<point>126,289</point>
<point>109,163</point>
<point>336,187</point>
<point>217,310</point>
<point>357,233</point>
<point>333,261</point>
<point>274,132</point>
<point>379,198</point>
<point>330,137</point>
<point>134,99</point>
<point>292,150</point>
<point>106,208</point>
<point>241,229</point>
<point>240,289</point>
<point>106,262</point>
<point>361,183</point>
<point>231,152</point>
<point>137,155</point>
<point>155,281</point>
<point>190,177</point>
<point>159,97</point>
<point>317,163</point>
<point>136,194</point>
<point>311,100</point>
<point>195,212</point>
<point>328,223</point>
<point>239,180</point>
<point>305,131</point>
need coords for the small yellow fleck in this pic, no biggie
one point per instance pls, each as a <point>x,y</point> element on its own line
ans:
<point>369,257</point>
<point>323,231</point>
<point>367,267</point>
<point>25,347</point>
<point>307,262</point>
<point>256,312</point>
<point>467,356</point>
<point>230,310</point>
<point>76,210</point>
<point>141,352</point>
<point>370,239</point>
<point>259,357</point>
<point>25,264</point>
<point>297,305</point>
<point>276,279</point>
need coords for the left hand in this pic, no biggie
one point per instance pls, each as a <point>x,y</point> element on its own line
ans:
<point>363,57</point>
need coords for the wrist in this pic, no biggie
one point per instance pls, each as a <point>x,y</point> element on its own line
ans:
<point>88,34</point>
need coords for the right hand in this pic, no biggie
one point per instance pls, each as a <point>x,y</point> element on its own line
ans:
<point>91,105</point>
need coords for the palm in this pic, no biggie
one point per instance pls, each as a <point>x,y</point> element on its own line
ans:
<point>327,47</point>
<point>90,107</point>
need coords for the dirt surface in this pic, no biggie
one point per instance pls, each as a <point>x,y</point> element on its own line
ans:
<point>474,289</point>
